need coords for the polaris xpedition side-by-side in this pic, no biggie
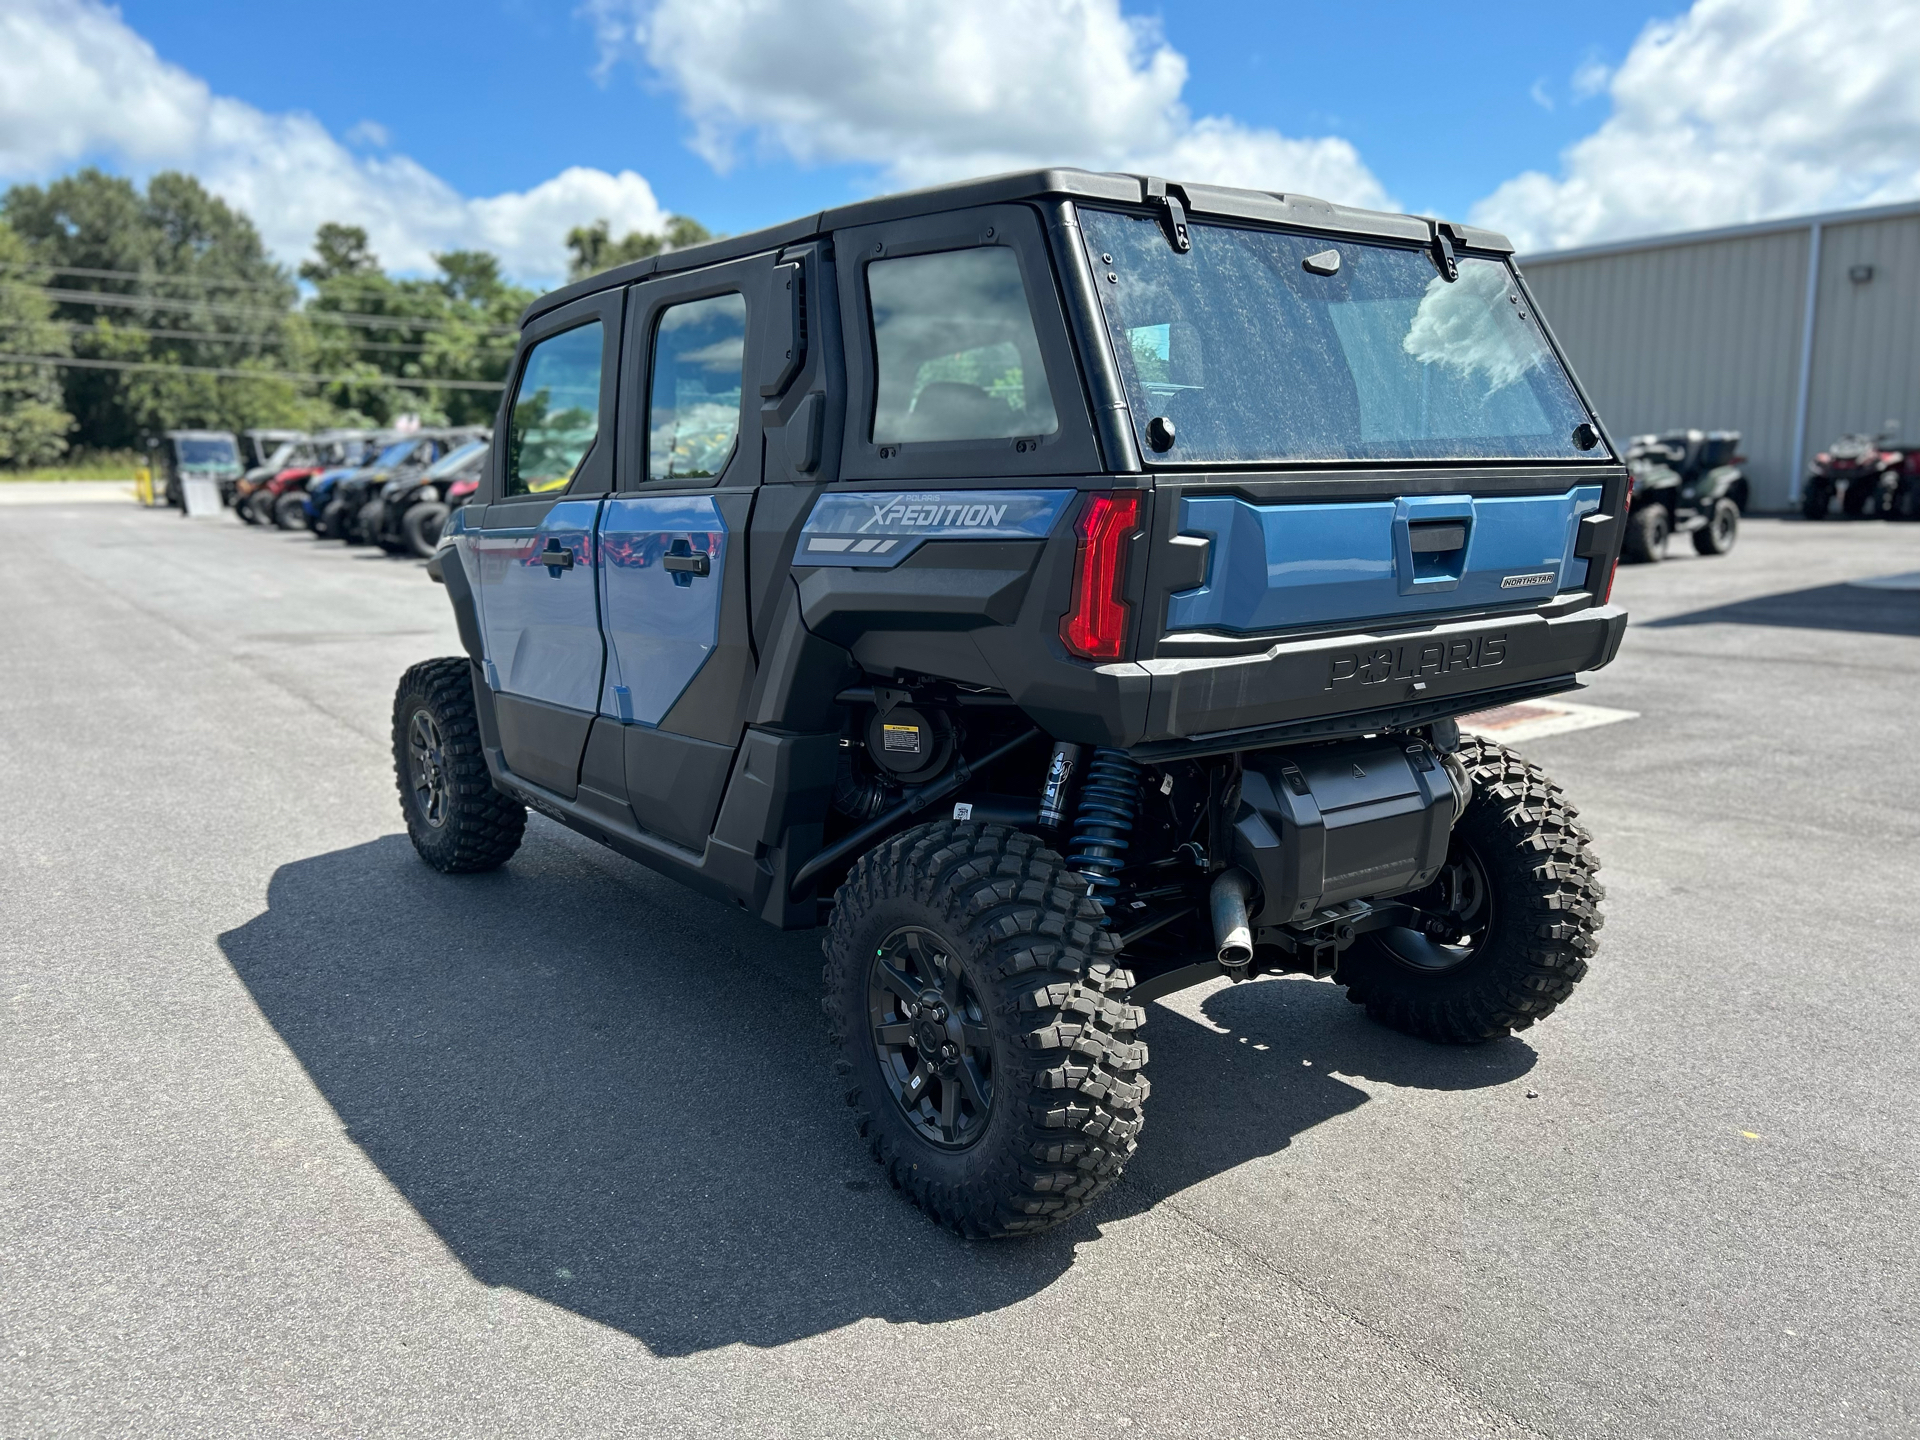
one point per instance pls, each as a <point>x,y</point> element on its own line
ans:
<point>1061,586</point>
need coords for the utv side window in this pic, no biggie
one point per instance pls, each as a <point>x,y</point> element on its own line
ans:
<point>957,355</point>
<point>556,412</point>
<point>694,411</point>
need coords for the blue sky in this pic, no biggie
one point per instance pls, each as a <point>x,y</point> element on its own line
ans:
<point>502,123</point>
<point>500,95</point>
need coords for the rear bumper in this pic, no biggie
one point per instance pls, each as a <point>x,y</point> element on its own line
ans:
<point>1431,672</point>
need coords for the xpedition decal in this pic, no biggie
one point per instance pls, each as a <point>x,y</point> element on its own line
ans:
<point>881,529</point>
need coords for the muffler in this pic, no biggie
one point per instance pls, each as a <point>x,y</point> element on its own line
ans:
<point>1232,893</point>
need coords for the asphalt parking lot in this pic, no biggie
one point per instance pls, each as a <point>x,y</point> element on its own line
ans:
<point>297,1136</point>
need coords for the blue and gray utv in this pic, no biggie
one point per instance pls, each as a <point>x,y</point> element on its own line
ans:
<point>1061,587</point>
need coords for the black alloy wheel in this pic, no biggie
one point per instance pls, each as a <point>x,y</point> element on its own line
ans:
<point>1458,916</point>
<point>427,768</point>
<point>930,1037</point>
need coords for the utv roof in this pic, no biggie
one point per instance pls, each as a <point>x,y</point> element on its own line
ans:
<point>1272,207</point>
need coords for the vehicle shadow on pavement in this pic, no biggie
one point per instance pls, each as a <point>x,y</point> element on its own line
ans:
<point>1824,607</point>
<point>615,1095</point>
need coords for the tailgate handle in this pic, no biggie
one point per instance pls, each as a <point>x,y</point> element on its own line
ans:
<point>1437,537</point>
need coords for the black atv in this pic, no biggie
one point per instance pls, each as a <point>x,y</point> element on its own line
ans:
<point>1864,472</point>
<point>1062,587</point>
<point>415,504</point>
<point>1688,481</point>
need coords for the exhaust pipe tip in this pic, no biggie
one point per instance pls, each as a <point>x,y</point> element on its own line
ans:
<point>1232,892</point>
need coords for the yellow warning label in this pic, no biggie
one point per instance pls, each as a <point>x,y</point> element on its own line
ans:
<point>900,737</point>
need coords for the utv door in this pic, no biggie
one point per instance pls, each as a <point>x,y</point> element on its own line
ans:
<point>536,564</point>
<point>673,576</point>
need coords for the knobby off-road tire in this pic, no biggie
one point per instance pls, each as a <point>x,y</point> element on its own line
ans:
<point>1722,529</point>
<point>1040,1002</point>
<point>421,525</point>
<point>290,511</point>
<point>1815,503</point>
<point>1646,538</point>
<point>456,819</point>
<point>1537,869</point>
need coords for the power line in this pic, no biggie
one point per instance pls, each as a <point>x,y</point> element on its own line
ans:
<point>365,381</point>
<point>82,327</point>
<point>212,307</point>
<point>371,282</point>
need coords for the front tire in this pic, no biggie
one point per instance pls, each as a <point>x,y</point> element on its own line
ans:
<point>1520,895</point>
<point>456,819</point>
<point>422,524</point>
<point>1717,536</point>
<point>1647,531</point>
<point>982,1025</point>
<point>290,511</point>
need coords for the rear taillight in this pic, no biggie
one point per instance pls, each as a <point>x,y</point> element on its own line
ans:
<point>1096,627</point>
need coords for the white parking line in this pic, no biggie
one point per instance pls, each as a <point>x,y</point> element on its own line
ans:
<point>1532,719</point>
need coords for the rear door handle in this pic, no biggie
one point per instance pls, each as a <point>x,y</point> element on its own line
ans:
<point>555,557</point>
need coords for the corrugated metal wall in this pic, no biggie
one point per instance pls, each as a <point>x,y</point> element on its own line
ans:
<point>1702,334</point>
<point>1866,342</point>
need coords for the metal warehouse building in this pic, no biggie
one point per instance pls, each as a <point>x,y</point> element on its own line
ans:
<point>1793,332</point>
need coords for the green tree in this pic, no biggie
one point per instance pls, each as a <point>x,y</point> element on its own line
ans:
<point>457,326</point>
<point>34,422</point>
<point>594,248</point>
<point>187,283</point>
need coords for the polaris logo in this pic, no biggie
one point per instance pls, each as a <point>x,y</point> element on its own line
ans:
<point>1539,577</point>
<point>1415,660</point>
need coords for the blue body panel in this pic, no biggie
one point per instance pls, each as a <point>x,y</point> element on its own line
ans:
<point>1273,566</point>
<point>881,528</point>
<point>541,624</point>
<point>660,626</point>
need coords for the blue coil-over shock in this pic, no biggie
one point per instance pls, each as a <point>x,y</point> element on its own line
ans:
<point>1103,822</point>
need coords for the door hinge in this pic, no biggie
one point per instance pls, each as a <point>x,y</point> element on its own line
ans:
<point>1169,202</point>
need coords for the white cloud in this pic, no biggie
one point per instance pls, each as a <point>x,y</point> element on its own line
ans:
<point>1537,92</point>
<point>77,84</point>
<point>1590,78</point>
<point>932,92</point>
<point>1739,110</point>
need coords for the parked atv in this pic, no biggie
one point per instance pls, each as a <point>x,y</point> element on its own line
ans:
<point>269,453</point>
<point>333,450</point>
<point>1685,482</point>
<point>1063,588</point>
<point>348,506</point>
<point>1863,472</point>
<point>414,506</point>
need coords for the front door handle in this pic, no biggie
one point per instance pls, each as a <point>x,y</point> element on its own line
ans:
<point>683,562</point>
<point>697,563</point>
<point>556,557</point>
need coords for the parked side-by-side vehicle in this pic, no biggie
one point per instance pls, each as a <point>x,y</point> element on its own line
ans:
<point>1063,588</point>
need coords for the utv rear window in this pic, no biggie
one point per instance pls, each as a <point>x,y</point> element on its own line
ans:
<point>1253,355</point>
<point>957,354</point>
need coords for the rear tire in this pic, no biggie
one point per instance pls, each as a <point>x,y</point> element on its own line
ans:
<point>456,819</point>
<point>422,525</point>
<point>1646,538</point>
<point>1533,943</point>
<point>1722,529</point>
<point>290,511</point>
<point>243,507</point>
<point>1006,1094</point>
<point>332,524</point>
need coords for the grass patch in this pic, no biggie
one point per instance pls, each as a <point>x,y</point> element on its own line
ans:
<point>87,465</point>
